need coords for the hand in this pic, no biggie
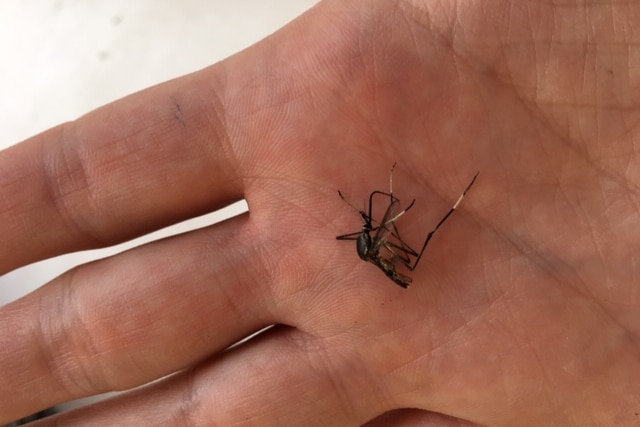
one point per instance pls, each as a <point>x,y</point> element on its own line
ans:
<point>523,311</point>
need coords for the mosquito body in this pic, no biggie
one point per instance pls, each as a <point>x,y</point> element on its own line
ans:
<point>370,240</point>
<point>385,248</point>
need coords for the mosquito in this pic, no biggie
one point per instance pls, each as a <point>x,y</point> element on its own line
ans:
<point>369,248</point>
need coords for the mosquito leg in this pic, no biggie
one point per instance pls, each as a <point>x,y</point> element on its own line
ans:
<point>402,244</point>
<point>431,233</point>
<point>349,236</point>
<point>390,194</point>
<point>393,199</point>
<point>354,235</point>
<point>391,221</point>
<point>348,203</point>
<point>366,218</point>
<point>464,193</point>
<point>399,253</point>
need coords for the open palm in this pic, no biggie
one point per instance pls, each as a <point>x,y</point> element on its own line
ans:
<point>523,310</point>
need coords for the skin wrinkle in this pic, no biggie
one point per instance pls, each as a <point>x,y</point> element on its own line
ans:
<point>67,370</point>
<point>372,72</point>
<point>545,122</point>
<point>321,365</point>
<point>551,401</point>
<point>322,369</point>
<point>584,292</point>
<point>540,75</point>
<point>585,70</point>
<point>94,376</point>
<point>500,362</point>
<point>387,398</point>
<point>351,98</point>
<point>597,96</point>
<point>628,68</point>
<point>421,18</point>
<point>562,138</point>
<point>95,342</point>
<point>268,302</point>
<point>452,334</point>
<point>586,289</point>
<point>446,340</point>
<point>407,22</point>
<point>525,247</point>
<point>618,178</point>
<point>218,122</point>
<point>61,177</point>
<point>42,335</point>
<point>402,370</point>
<point>345,400</point>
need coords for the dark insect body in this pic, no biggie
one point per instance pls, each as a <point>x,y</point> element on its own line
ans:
<point>397,251</point>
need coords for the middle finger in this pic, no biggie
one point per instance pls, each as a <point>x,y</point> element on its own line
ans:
<point>112,324</point>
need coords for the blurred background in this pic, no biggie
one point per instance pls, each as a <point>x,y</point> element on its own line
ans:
<point>63,58</point>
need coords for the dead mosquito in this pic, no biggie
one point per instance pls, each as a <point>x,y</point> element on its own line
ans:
<point>398,252</point>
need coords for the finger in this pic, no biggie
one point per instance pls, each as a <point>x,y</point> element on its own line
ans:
<point>130,167</point>
<point>126,320</point>
<point>269,381</point>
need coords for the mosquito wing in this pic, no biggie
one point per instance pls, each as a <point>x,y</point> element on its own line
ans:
<point>385,228</point>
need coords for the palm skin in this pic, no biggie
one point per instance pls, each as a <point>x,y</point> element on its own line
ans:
<point>523,311</point>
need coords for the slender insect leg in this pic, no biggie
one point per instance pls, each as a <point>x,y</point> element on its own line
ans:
<point>464,193</point>
<point>347,202</point>
<point>367,219</point>
<point>431,233</point>
<point>399,253</point>
<point>395,233</point>
<point>368,216</point>
<point>349,236</point>
<point>393,199</point>
<point>393,166</point>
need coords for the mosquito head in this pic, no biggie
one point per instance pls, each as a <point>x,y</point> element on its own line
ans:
<point>366,221</point>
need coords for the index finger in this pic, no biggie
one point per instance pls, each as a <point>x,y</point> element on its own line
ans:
<point>130,167</point>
